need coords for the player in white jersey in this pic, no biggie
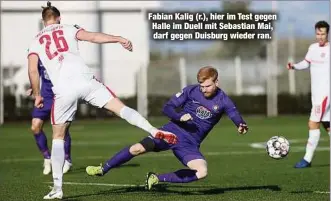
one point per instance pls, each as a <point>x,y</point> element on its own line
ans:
<point>318,60</point>
<point>56,47</point>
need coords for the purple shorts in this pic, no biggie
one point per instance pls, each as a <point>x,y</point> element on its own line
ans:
<point>185,150</point>
<point>44,112</point>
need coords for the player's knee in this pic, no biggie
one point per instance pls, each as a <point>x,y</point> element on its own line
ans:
<point>35,129</point>
<point>200,166</point>
<point>137,149</point>
<point>58,135</point>
<point>202,172</point>
<point>313,125</point>
<point>115,105</point>
<point>36,126</point>
<point>59,130</point>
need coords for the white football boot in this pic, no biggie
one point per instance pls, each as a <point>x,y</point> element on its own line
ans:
<point>47,166</point>
<point>66,167</point>
<point>56,193</point>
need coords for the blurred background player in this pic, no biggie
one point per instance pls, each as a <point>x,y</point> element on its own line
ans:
<point>318,59</point>
<point>202,105</point>
<point>39,115</point>
<point>57,48</point>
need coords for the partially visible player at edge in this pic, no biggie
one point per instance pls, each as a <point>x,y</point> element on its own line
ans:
<point>57,48</point>
<point>318,59</point>
<point>202,106</point>
<point>39,115</point>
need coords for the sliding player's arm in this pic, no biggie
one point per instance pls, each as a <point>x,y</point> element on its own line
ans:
<point>34,78</point>
<point>234,115</point>
<point>100,38</point>
<point>176,101</point>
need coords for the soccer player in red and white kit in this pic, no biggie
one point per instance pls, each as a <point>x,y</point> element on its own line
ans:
<point>57,48</point>
<point>318,60</point>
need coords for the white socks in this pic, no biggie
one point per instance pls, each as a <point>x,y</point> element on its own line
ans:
<point>57,159</point>
<point>134,118</point>
<point>314,137</point>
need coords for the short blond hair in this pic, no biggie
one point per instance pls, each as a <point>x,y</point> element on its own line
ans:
<point>206,73</point>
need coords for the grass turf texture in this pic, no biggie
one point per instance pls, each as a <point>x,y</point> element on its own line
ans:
<point>236,171</point>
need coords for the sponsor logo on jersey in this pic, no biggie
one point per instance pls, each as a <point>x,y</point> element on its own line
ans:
<point>203,113</point>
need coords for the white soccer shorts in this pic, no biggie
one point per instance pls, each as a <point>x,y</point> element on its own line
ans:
<point>320,110</point>
<point>65,104</point>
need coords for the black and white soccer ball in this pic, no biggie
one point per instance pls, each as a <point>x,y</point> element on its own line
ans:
<point>278,147</point>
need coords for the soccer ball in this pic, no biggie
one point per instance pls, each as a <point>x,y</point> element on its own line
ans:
<point>278,147</point>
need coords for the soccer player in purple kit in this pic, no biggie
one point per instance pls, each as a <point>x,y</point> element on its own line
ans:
<point>202,106</point>
<point>39,115</point>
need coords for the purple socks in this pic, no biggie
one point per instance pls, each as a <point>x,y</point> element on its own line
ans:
<point>120,158</point>
<point>67,146</point>
<point>41,141</point>
<point>180,176</point>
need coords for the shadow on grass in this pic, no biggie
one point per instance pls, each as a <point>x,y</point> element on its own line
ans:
<point>82,169</point>
<point>182,190</point>
<point>321,165</point>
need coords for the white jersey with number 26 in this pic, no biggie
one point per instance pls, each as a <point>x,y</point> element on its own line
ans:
<point>57,48</point>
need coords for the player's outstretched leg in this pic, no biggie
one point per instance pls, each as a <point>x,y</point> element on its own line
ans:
<point>41,141</point>
<point>119,159</point>
<point>313,139</point>
<point>133,117</point>
<point>198,170</point>
<point>67,151</point>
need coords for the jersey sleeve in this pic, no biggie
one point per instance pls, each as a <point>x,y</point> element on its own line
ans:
<point>176,101</point>
<point>232,112</point>
<point>32,50</point>
<point>179,98</point>
<point>77,29</point>
<point>308,56</point>
<point>73,30</point>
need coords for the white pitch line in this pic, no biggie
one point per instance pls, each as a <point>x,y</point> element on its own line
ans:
<point>97,184</point>
<point>322,192</point>
<point>262,145</point>
<point>132,185</point>
<point>158,155</point>
<point>151,155</point>
<point>98,143</point>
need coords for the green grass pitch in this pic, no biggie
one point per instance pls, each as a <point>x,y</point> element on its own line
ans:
<point>236,171</point>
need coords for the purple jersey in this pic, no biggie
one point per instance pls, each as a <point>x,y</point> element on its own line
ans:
<point>206,113</point>
<point>46,84</point>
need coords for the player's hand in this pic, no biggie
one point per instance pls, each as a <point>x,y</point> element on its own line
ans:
<point>126,44</point>
<point>242,129</point>
<point>28,92</point>
<point>39,102</point>
<point>186,117</point>
<point>290,66</point>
